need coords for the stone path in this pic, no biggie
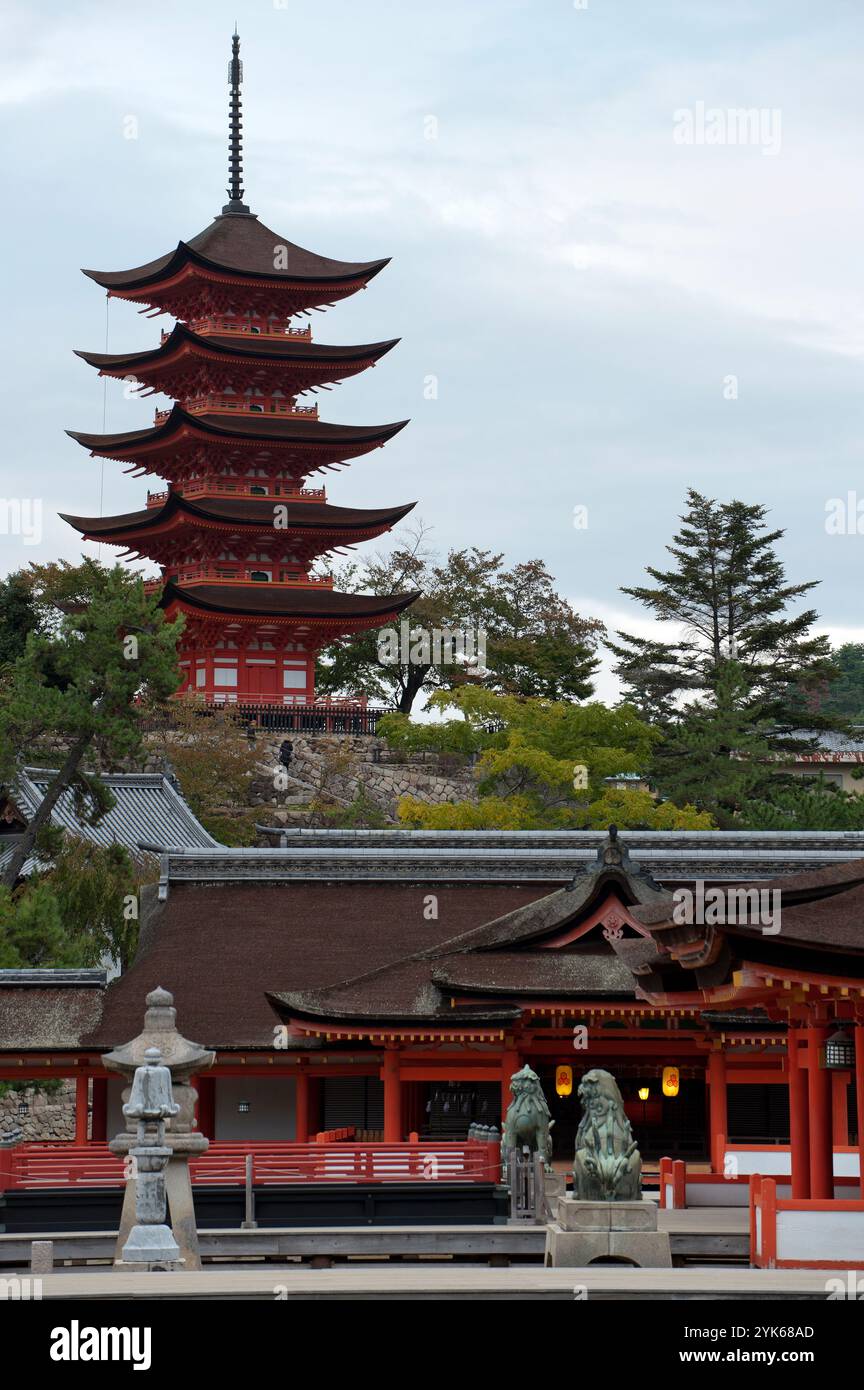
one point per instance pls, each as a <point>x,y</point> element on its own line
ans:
<point>419,1281</point>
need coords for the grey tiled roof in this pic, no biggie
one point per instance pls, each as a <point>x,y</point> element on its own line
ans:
<point>149,815</point>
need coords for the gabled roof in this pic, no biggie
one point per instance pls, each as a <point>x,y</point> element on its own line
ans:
<point>741,937</point>
<point>148,812</point>
<point>241,245</point>
<point>279,936</point>
<point>421,984</point>
<point>542,918</point>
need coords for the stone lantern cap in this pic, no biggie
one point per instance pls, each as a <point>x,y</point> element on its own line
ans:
<point>181,1056</point>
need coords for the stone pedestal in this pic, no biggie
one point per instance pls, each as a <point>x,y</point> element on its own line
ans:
<point>588,1231</point>
<point>556,1186</point>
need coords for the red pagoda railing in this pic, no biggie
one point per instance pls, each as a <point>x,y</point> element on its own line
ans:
<point>241,405</point>
<point>212,574</point>
<point>32,1167</point>
<point>248,330</point>
<point>217,487</point>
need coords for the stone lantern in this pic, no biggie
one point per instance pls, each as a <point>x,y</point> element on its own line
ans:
<point>151,1104</point>
<point>183,1060</point>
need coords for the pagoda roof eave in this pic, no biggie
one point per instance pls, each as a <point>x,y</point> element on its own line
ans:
<point>225,345</point>
<point>277,604</point>
<point>312,517</point>
<point>238,245</point>
<point>248,427</point>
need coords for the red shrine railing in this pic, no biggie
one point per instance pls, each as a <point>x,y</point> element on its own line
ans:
<point>38,1167</point>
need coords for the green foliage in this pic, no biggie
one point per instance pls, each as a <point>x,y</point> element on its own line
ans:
<point>104,651</point>
<point>811,805</point>
<point>540,764</point>
<point>32,932</point>
<point>536,644</point>
<point>236,830</point>
<point>76,908</point>
<point>728,594</point>
<point>19,615</point>
<point>45,1088</point>
<point>214,760</point>
<point>96,891</point>
<point>718,753</point>
<point>844,696</point>
<point>362,813</point>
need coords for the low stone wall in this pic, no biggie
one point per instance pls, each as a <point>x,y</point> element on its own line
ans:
<point>48,1116</point>
<point>338,766</point>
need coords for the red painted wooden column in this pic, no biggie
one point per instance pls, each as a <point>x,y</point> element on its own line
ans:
<point>99,1125</point>
<point>859,1097</point>
<point>510,1062</point>
<point>81,1097</point>
<point>839,1109</point>
<point>799,1117</point>
<point>392,1097</point>
<point>206,1107</point>
<point>717,1117</point>
<point>301,1109</point>
<point>819,1094</point>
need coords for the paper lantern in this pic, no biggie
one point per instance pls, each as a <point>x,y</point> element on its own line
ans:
<point>564,1081</point>
<point>671,1081</point>
<point>643,1092</point>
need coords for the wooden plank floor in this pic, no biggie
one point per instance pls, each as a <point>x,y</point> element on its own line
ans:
<point>437,1282</point>
<point>699,1232</point>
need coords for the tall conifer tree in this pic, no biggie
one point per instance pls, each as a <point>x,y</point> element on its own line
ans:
<point>729,598</point>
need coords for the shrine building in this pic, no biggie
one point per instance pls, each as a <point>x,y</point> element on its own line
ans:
<point>392,982</point>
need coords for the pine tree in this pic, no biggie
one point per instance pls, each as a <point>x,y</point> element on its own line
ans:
<point>730,599</point>
<point>717,755</point>
<point>106,650</point>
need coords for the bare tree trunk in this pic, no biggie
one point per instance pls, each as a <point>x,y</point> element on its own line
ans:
<point>412,687</point>
<point>23,849</point>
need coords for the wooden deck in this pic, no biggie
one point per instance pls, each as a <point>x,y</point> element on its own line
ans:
<point>705,1233</point>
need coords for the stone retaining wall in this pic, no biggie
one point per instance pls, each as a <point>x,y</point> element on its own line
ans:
<point>338,766</point>
<point>48,1116</point>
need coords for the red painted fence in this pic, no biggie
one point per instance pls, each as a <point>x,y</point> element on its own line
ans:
<point>36,1166</point>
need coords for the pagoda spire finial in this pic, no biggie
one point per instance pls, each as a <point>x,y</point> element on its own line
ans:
<point>235,135</point>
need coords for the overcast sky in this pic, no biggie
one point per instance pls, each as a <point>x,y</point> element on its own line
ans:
<point>580,280</point>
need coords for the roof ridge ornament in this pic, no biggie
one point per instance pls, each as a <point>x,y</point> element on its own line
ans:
<point>235,188</point>
<point>613,853</point>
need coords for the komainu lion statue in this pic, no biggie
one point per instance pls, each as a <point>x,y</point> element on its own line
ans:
<point>607,1166</point>
<point>528,1120</point>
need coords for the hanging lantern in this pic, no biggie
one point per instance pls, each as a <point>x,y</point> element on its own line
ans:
<point>838,1054</point>
<point>644,1092</point>
<point>564,1081</point>
<point>671,1081</point>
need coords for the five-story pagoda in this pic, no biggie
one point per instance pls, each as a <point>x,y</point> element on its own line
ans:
<point>236,532</point>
